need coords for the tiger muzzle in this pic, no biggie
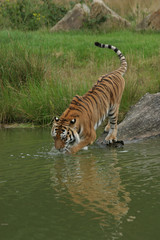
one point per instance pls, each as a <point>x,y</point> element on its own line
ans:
<point>59,144</point>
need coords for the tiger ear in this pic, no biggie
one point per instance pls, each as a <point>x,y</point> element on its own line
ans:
<point>73,121</point>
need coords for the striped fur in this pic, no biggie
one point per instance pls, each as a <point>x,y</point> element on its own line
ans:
<point>77,126</point>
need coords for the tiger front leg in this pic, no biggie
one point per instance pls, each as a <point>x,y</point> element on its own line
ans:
<point>88,140</point>
<point>111,127</point>
<point>111,131</point>
<point>112,136</point>
<point>107,128</point>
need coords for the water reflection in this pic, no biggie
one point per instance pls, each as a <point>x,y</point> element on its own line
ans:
<point>92,183</point>
<point>89,196</point>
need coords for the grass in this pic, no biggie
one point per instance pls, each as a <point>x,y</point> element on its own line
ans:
<point>40,72</point>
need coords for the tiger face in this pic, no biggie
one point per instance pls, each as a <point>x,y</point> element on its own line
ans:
<point>65,134</point>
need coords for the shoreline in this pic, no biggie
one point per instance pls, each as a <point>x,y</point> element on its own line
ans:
<point>19,125</point>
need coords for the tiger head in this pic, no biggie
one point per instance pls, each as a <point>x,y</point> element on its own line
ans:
<point>65,133</point>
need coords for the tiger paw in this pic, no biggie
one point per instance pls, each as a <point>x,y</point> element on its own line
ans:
<point>118,144</point>
<point>113,143</point>
<point>108,142</point>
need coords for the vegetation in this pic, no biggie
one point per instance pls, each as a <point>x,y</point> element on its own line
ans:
<point>40,72</point>
<point>41,14</point>
<point>29,14</point>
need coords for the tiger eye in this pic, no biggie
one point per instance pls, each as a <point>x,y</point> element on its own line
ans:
<point>73,121</point>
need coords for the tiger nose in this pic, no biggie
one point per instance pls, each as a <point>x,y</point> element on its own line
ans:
<point>58,144</point>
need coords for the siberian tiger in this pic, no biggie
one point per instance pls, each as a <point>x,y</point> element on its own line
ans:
<point>76,128</point>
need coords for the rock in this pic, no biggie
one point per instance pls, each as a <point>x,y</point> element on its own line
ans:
<point>143,24</point>
<point>73,19</point>
<point>100,15</point>
<point>86,9</point>
<point>152,21</point>
<point>142,121</point>
<point>106,17</point>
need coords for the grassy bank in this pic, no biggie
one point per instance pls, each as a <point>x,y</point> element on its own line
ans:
<point>40,72</point>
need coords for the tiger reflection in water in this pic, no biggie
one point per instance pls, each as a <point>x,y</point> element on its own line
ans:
<point>94,185</point>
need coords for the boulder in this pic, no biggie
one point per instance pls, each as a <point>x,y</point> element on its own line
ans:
<point>152,21</point>
<point>105,17</point>
<point>142,121</point>
<point>73,19</point>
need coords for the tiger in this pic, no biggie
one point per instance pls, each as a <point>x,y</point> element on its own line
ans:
<point>76,127</point>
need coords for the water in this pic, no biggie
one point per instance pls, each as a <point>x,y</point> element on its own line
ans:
<point>96,194</point>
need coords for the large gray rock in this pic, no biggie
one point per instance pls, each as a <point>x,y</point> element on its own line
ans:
<point>152,21</point>
<point>142,121</point>
<point>73,19</point>
<point>107,18</point>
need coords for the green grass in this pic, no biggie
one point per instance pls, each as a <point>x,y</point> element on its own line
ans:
<point>40,72</point>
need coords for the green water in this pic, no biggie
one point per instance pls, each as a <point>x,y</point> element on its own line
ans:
<point>96,194</point>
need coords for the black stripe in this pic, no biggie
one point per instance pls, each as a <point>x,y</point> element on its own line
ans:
<point>99,88</point>
<point>113,123</point>
<point>99,80</point>
<point>72,133</point>
<point>78,104</point>
<point>82,100</point>
<point>116,83</point>
<point>93,98</point>
<point>88,99</point>
<point>76,109</point>
<point>113,118</point>
<point>62,126</point>
<point>111,114</point>
<point>62,121</point>
<point>103,85</point>
<point>79,130</point>
<point>90,91</point>
<point>116,50</point>
<point>109,46</point>
<point>99,98</point>
<point>78,97</point>
<point>108,76</point>
<point>106,87</point>
<point>110,82</point>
